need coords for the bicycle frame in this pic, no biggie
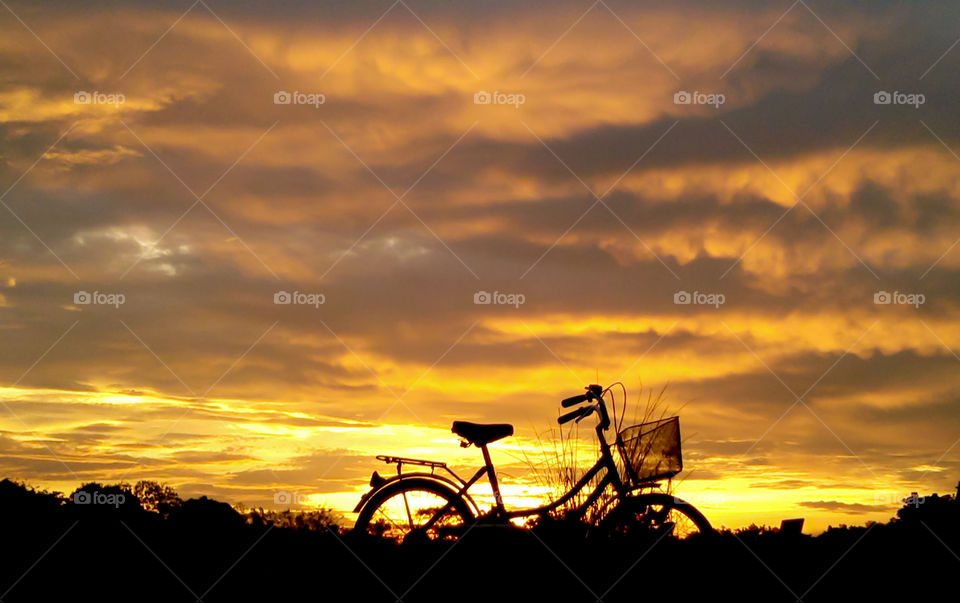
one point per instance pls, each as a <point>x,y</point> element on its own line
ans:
<point>499,513</point>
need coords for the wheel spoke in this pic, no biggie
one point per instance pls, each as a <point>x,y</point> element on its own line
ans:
<point>387,517</point>
<point>414,508</point>
<point>406,504</point>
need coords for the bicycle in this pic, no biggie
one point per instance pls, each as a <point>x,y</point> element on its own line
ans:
<point>437,507</point>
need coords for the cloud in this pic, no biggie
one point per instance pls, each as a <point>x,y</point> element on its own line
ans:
<point>848,508</point>
<point>199,372</point>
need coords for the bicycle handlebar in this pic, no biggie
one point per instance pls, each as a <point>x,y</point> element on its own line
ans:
<point>594,392</point>
<point>576,414</point>
<point>568,402</point>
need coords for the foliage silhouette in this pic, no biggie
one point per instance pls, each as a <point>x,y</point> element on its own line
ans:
<point>204,549</point>
<point>156,497</point>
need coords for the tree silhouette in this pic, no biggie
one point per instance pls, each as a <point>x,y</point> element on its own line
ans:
<point>156,497</point>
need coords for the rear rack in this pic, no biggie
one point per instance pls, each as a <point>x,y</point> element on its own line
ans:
<point>400,460</point>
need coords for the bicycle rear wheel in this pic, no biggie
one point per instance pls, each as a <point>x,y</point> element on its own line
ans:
<point>401,511</point>
<point>655,512</point>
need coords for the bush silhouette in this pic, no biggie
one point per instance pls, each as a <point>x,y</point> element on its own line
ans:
<point>320,519</point>
<point>155,547</point>
<point>20,500</point>
<point>206,513</point>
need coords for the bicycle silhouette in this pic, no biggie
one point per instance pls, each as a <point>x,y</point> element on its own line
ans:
<point>434,506</point>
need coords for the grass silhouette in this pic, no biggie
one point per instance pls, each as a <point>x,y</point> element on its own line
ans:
<point>559,464</point>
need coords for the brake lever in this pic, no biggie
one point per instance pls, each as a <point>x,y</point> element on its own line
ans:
<point>587,411</point>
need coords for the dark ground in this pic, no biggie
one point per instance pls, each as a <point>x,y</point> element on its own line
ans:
<point>203,550</point>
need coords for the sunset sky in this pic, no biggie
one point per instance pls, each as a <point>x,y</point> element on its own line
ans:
<point>787,189</point>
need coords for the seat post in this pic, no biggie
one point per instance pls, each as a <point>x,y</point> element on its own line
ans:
<point>492,476</point>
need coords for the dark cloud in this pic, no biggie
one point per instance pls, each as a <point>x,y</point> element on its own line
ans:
<point>849,508</point>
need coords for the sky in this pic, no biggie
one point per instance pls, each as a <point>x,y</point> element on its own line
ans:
<point>474,209</point>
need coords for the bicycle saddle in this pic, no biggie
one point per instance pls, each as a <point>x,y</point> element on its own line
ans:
<point>481,434</point>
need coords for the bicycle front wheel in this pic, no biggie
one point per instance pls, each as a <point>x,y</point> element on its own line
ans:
<point>656,512</point>
<point>415,508</point>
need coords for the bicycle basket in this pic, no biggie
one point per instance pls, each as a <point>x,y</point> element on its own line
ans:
<point>650,451</point>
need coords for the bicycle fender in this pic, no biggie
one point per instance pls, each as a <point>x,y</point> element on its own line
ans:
<point>445,481</point>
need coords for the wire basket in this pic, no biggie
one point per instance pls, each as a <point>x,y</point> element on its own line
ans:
<point>650,451</point>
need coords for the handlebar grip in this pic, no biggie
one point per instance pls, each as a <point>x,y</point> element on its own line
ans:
<point>570,416</point>
<point>568,402</point>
